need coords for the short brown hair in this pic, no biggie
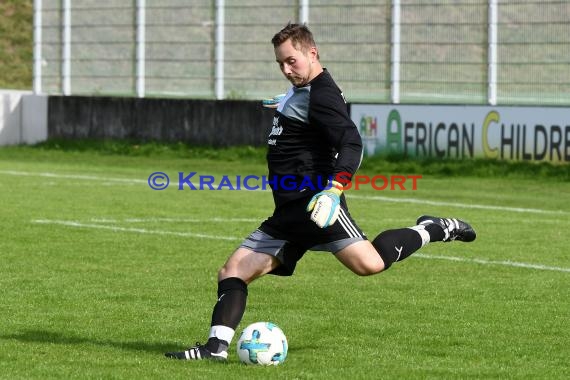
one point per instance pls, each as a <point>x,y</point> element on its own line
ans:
<point>300,35</point>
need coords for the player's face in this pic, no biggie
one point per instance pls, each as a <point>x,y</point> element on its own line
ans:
<point>298,67</point>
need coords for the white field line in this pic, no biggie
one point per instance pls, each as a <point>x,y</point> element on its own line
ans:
<point>350,196</point>
<point>459,205</point>
<point>493,262</point>
<point>77,224</point>
<point>175,220</point>
<point>70,223</point>
<point>72,176</point>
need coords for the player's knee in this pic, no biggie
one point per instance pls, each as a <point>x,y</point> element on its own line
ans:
<point>222,273</point>
<point>228,271</point>
<point>233,270</point>
<point>368,268</point>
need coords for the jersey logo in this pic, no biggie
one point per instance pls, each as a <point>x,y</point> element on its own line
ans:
<point>276,130</point>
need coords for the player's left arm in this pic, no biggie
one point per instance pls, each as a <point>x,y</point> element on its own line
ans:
<point>329,112</point>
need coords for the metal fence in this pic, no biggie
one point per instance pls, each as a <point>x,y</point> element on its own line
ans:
<point>400,51</point>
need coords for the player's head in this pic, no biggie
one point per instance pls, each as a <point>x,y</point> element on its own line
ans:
<point>297,54</point>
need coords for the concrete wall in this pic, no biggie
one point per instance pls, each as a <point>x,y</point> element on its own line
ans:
<point>34,119</point>
<point>201,122</point>
<point>23,117</point>
<point>10,117</point>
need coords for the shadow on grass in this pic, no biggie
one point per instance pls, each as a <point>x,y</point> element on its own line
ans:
<point>50,337</point>
<point>42,336</point>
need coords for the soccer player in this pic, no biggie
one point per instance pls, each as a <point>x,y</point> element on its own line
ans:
<point>312,137</point>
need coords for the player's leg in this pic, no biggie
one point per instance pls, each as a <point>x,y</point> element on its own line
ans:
<point>259,254</point>
<point>364,257</point>
<point>395,245</point>
<point>241,268</point>
<point>361,258</point>
<point>247,265</point>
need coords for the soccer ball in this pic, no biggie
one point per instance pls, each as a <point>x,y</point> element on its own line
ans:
<point>262,343</point>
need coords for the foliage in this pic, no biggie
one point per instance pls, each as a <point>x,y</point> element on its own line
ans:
<point>16,44</point>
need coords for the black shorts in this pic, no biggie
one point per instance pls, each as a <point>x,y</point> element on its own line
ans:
<point>290,232</point>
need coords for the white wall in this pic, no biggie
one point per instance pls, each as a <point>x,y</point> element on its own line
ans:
<point>23,117</point>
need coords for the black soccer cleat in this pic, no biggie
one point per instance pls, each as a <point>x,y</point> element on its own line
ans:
<point>199,352</point>
<point>454,229</point>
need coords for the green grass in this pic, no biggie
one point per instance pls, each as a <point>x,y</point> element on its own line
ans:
<point>378,164</point>
<point>104,298</point>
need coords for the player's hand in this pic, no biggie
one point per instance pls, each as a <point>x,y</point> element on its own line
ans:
<point>325,205</point>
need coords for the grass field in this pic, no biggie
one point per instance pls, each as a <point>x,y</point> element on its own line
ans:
<point>100,275</point>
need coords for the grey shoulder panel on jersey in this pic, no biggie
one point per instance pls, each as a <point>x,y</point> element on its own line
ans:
<point>295,105</point>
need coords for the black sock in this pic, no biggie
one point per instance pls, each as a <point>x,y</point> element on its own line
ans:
<point>228,311</point>
<point>232,296</point>
<point>396,245</point>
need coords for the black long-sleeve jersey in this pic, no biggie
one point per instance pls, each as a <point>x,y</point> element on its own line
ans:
<point>312,138</point>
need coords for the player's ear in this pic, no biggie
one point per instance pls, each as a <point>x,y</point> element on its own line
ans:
<point>314,53</point>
